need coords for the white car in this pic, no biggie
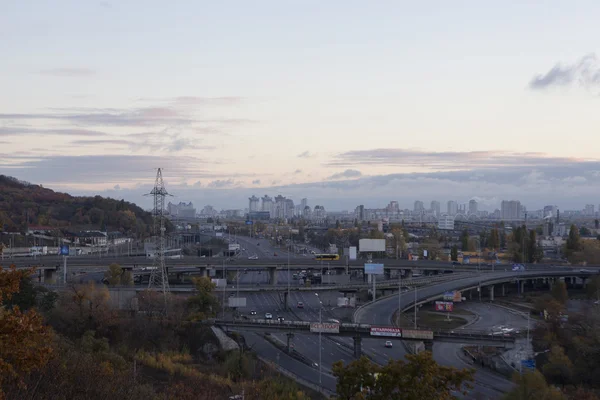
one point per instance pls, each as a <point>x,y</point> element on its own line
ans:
<point>252,312</point>
<point>388,344</point>
<point>253,258</point>
<point>268,316</point>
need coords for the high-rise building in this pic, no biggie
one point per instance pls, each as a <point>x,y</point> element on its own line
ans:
<point>472,207</point>
<point>419,206</point>
<point>307,213</point>
<point>303,203</point>
<point>452,208</point>
<point>253,203</point>
<point>446,222</point>
<point>589,210</point>
<point>511,210</point>
<point>360,212</point>
<point>267,205</point>
<point>280,207</point>
<point>550,211</point>
<point>182,210</point>
<point>435,208</point>
<point>319,214</point>
<point>289,208</point>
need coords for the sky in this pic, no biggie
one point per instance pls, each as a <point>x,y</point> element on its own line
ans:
<point>343,102</point>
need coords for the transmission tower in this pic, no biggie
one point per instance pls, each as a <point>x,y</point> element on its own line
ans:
<point>158,274</point>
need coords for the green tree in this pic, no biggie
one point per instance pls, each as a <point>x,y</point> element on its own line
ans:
<point>596,224</point>
<point>534,252</point>
<point>203,304</point>
<point>533,386</point>
<point>464,240</point>
<point>593,288</point>
<point>583,231</point>
<point>559,292</point>
<point>454,253</point>
<point>419,377</point>
<point>573,242</point>
<point>115,275</point>
<point>494,239</point>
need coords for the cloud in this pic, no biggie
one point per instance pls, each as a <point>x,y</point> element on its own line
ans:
<point>19,131</point>
<point>305,154</point>
<point>115,142</point>
<point>68,72</point>
<point>199,100</point>
<point>298,171</point>
<point>349,173</point>
<point>221,183</point>
<point>256,182</point>
<point>450,160</point>
<point>585,73</point>
<point>117,187</point>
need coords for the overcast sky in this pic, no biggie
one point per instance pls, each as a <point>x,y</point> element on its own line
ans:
<point>344,102</point>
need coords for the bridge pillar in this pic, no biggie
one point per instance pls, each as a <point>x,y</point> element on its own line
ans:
<point>203,271</point>
<point>290,336</point>
<point>273,275</point>
<point>503,290</point>
<point>357,346</point>
<point>428,346</point>
<point>387,273</point>
<point>584,281</point>
<point>491,289</point>
<point>285,300</point>
<point>49,275</point>
<point>408,273</point>
<point>470,295</point>
<point>522,283</point>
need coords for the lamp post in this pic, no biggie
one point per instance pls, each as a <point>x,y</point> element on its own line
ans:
<point>415,307</point>
<point>320,347</point>
<point>288,276</point>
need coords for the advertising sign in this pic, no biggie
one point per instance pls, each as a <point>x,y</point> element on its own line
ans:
<point>324,327</point>
<point>249,222</point>
<point>353,253</point>
<point>64,250</point>
<point>371,245</point>
<point>457,296</point>
<point>374,269</point>
<point>388,331</point>
<point>448,296</point>
<point>417,334</point>
<point>424,253</point>
<point>445,306</point>
<point>235,302</point>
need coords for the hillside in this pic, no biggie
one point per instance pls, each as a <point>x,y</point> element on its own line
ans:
<point>24,204</point>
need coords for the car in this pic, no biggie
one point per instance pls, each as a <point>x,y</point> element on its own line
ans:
<point>280,319</point>
<point>388,344</point>
<point>300,304</point>
<point>268,316</point>
<point>586,271</point>
<point>252,312</point>
<point>455,263</point>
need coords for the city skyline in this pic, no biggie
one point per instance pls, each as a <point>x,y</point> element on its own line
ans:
<point>391,101</point>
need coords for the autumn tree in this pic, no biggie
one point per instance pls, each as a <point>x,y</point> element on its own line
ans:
<point>419,377</point>
<point>559,368</point>
<point>533,386</point>
<point>559,292</point>
<point>494,239</point>
<point>454,253</point>
<point>464,240</point>
<point>115,275</point>
<point>573,242</point>
<point>24,339</point>
<point>203,304</point>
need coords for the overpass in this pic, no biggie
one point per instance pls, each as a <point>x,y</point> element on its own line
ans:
<point>362,331</point>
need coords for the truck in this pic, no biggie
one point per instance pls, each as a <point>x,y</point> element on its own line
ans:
<point>38,251</point>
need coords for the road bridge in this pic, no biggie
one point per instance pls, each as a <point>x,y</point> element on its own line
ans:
<point>363,331</point>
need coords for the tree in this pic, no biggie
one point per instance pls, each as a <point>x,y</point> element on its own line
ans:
<point>534,252</point>
<point>593,288</point>
<point>559,292</point>
<point>115,275</point>
<point>559,368</point>
<point>583,231</point>
<point>24,339</point>
<point>494,239</point>
<point>464,240</point>
<point>419,377</point>
<point>454,253</point>
<point>573,242</point>
<point>596,224</point>
<point>203,304</point>
<point>533,386</point>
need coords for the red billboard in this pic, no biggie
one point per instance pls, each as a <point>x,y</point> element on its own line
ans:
<point>445,306</point>
<point>386,331</point>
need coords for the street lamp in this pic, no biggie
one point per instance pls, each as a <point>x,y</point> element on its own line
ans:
<point>320,347</point>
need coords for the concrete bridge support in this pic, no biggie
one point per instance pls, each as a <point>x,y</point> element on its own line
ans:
<point>429,345</point>
<point>409,273</point>
<point>290,336</point>
<point>503,290</point>
<point>50,275</point>
<point>273,275</point>
<point>357,346</point>
<point>491,289</point>
<point>522,284</point>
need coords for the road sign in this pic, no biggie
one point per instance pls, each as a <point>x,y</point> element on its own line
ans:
<point>249,222</point>
<point>64,250</point>
<point>448,296</point>
<point>235,302</point>
<point>324,327</point>
<point>374,269</point>
<point>386,331</point>
<point>528,363</point>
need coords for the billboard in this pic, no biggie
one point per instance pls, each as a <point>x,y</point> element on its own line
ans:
<point>346,301</point>
<point>374,269</point>
<point>448,296</point>
<point>445,306</point>
<point>417,334</point>
<point>353,253</point>
<point>457,296</point>
<point>249,222</point>
<point>64,250</point>
<point>235,302</point>
<point>424,253</point>
<point>220,283</point>
<point>371,245</point>
<point>388,331</point>
<point>324,327</point>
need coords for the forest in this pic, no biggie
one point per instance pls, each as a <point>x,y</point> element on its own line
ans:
<point>23,204</point>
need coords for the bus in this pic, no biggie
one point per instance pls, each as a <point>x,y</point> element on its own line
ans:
<point>327,257</point>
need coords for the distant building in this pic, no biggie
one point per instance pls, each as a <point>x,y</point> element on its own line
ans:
<point>419,207</point>
<point>435,208</point>
<point>550,211</point>
<point>589,210</point>
<point>289,208</point>
<point>452,208</point>
<point>279,207</point>
<point>307,213</point>
<point>511,210</point>
<point>208,212</point>
<point>182,210</point>
<point>303,203</point>
<point>259,215</point>
<point>473,207</point>
<point>267,205</point>
<point>446,222</point>
<point>319,214</point>
<point>253,203</point>
<point>360,212</point>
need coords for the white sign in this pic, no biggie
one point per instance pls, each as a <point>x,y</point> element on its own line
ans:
<point>374,269</point>
<point>324,327</point>
<point>353,253</point>
<point>386,331</point>
<point>235,302</point>
<point>371,245</point>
